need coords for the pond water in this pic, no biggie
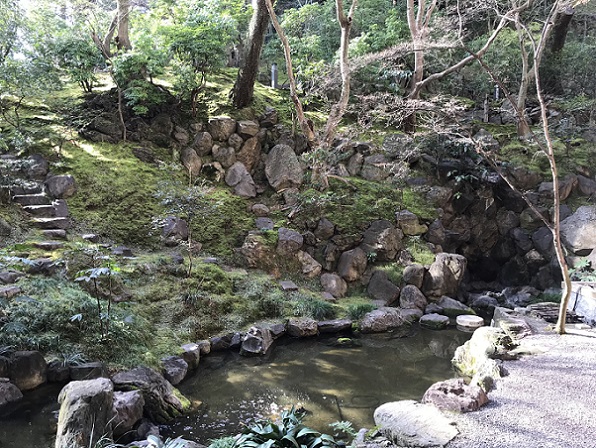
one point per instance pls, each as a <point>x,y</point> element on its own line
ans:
<point>332,383</point>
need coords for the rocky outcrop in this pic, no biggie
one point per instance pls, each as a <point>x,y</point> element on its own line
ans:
<point>128,410</point>
<point>257,341</point>
<point>578,231</point>
<point>382,289</point>
<point>9,394</point>
<point>381,320</point>
<point>352,264</point>
<point>27,369</point>
<point>382,240</point>
<point>444,276</point>
<point>175,369</point>
<point>334,285</point>
<point>302,327</point>
<point>86,411</point>
<point>409,423</point>
<point>282,168</point>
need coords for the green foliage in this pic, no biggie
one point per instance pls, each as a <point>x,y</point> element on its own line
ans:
<point>583,271</point>
<point>357,311</point>
<point>344,429</point>
<point>288,433</point>
<point>223,442</point>
<point>262,297</point>
<point>307,306</point>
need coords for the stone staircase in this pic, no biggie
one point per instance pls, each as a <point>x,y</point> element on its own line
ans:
<point>41,198</point>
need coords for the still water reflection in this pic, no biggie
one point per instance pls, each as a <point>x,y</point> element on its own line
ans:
<point>332,383</point>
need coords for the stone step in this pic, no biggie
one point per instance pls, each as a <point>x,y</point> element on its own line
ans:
<point>48,245</point>
<point>54,234</point>
<point>41,211</point>
<point>32,199</point>
<point>61,208</point>
<point>29,188</point>
<point>51,223</point>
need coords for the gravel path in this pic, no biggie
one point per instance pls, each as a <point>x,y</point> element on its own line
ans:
<point>548,400</point>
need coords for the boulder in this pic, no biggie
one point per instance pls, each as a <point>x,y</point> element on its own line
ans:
<point>334,326</point>
<point>412,424</point>
<point>175,228</point>
<point>382,289</point>
<point>376,168</point>
<point>334,285</point>
<point>302,327</point>
<point>27,369</point>
<point>282,168</point>
<point>10,277</point>
<point>453,308</point>
<point>382,320</point>
<point>191,161</point>
<point>191,353</point>
<point>86,411</point>
<point>436,233</point>
<point>355,164</point>
<point>61,187</point>
<point>262,223</point>
<point>88,371</point>
<point>587,186</point>
<point>255,250</point>
<point>162,401</point>
<point>310,267</point>
<point>58,372</point>
<point>507,220</point>
<point>235,142</point>
<point>250,153</point>
<point>37,167</point>
<point>412,297</point>
<point>269,117</point>
<point>578,231</point>
<point>325,229</point>
<point>543,241</point>
<point>221,128</point>
<point>203,144</point>
<point>257,341</point>
<point>238,177</point>
<point>9,394</point>
<point>434,321</point>
<point>522,239</point>
<point>352,264</point>
<point>529,220</point>
<point>225,155</point>
<point>445,275</point>
<point>382,239</point>
<point>289,241</point>
<point>128,410</point>
<point>413,274</point>
<point>455,395</point>
<point>175,369</point>
<point>409,224</point>
<point>247,128</point>
<point>260,210</point>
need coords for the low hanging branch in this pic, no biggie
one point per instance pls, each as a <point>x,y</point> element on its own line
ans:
<point>337,112</point>
<point>304,126</point>
<point>548,149</point>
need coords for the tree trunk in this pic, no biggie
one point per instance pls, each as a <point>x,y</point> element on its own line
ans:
<point>245,82</point>
<point>306,129</point>
<point>339,109</point>
<point>122,39</point>
<point>523,128</point>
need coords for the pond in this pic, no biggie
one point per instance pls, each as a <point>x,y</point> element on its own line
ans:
<point>331,382</point>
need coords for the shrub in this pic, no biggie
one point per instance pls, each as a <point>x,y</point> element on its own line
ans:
<point>358,310</point>
<point>315,308</point>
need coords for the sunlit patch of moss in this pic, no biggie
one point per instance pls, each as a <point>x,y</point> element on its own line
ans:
<point>419,250</point>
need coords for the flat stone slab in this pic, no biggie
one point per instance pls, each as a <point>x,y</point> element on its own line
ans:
<point>288,285</point>
<point>57,234</point>
<point>42,211</point>
<point>469,321</point>
<point>51,223</point>
<point>32,199</point>
<point>49,245</point>
<point>10,291</point>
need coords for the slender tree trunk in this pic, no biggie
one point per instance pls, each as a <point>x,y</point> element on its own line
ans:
<point>123,39</point>
<point>245,82</point>
<point>523,127</point>
<point>337,112</point>
<point>304,125</point>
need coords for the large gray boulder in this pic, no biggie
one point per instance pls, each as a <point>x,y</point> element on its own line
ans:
<point>86,411</point>
<point>9,394</point>
<point>455,395</point>
<point>289,241</point>
<point>282,168</point>
<point>203,144</point>
<point>302,327</point>
<point>174,369</point>
<point>334,284</point>
<point>412,297</point>
<point>221,128</point>
<point>352,264</point>
<point>27,369</point>
<point>409,224</point>
<point>382,239</point>
<point>414,275</point>
<point>434,321</point>
<point>578,231</point>
<point>256,341</point>
<point>445,275</point>
<point>61,187</point>
<point>381,288</point>
<point>452,308</point>
<point>162,402</point>
<point>128,410</point>
<point>411,424</point>
<point>191,161</point>
<point>238,177</point>
<point>381,320</point>
<point>311,268</point>
<point>247,128</point>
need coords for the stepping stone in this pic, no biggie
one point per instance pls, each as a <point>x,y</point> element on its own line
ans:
<point>31,199</point>
<point>288,285</point>
<point>51,223</point>
<point>49,245</point>
<point>56,234</point>
<point>42,211</point>
<point>469,321</point>
<point>32,188</point>
<point>91,237</point>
